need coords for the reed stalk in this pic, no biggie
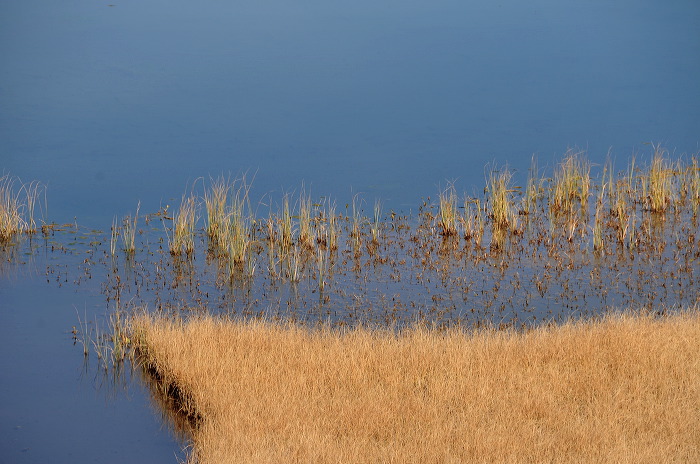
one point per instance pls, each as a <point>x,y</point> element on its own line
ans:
<point>598,244</point>
<point>32,191</point>
<point>293,260</point>
<point>620,211</point>
<point>376,223</point>
<point>321,267</point>
<point>114,234</point>
<point>286,228</point>
<point>129,227</point>
<point>332,230</point>
<point>356,231</point>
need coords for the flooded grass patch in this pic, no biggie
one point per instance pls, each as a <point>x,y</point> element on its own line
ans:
<point>623,388</point>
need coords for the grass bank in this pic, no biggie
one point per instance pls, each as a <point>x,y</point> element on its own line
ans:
<point>622,389</point>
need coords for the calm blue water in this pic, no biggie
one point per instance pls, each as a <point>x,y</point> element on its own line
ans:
<point>110,105</point>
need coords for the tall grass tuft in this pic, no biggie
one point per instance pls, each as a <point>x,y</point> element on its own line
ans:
<point>500,197</point>
<point>17,206</point>
<point>11,220</point>
<point>659,192</point>
<point>215,200</point>
<point>182,239</point>
<point>129,227</point>
<point>572,182</point>
<point>448,217</point>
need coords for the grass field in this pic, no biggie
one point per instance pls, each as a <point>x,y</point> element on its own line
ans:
<point>621,389</point>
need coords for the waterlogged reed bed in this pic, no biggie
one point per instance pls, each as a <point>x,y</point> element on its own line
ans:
<point>562,247</point>
<point>621,389</point>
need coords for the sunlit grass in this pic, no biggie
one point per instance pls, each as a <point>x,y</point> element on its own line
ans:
<point>18,203</point>
<point>184,221</point>
<point>500,198</point>
<point>572,182</point>
<point>657,183</point>
<point>621,389</point>
<point>448,217</point>
<point>215,201</point>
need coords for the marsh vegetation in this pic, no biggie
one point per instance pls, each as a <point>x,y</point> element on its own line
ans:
<point>299,274</point>
<point>618,389</point>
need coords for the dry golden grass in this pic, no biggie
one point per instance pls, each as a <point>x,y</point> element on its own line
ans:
<point>626,389</point>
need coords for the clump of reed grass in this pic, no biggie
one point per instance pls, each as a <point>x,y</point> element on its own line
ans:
<point>184,221</point>
<point>658,192</point>
<point>572,181</point>
<point>448,217</point>
<point>500,197</point>
<point>215,202</point>
<point>11,220</point>
<point>17,206</point>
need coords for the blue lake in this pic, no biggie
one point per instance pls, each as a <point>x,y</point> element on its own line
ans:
<point>112,104</point>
